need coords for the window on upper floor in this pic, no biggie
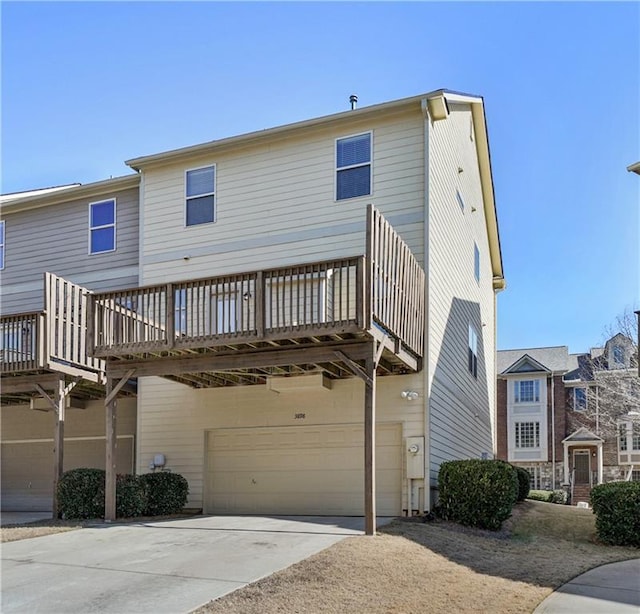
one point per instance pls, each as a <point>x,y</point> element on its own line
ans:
<point>1,244</point>
<point>629,436</point>
<point>102,226</point>
<point>473,351</point>
<point>200,187</point>
<point>618,355</point>
<point>526,391</point>
<point>476,262</point>
<point>353,166</point>
<point>527,434</point>
<point>579,399</point>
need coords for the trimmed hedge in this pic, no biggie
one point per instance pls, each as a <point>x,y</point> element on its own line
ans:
<point>80,493</point>
<point>548,496</point>
<point>477,493</point>
<point>524,482</point>
<point>167,493</point>
<point>617,509</point>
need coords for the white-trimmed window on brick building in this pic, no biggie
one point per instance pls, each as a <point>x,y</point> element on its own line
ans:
<point>579,399</point>
<point>535,477</point>
<point>527,435</point>
<point>526,391</point>
<point>628,442</point>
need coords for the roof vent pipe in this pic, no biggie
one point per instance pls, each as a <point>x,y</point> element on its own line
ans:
<point>353,99</point>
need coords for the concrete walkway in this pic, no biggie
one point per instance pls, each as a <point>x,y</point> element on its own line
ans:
<point>610,589</point>
<point>156,567</point>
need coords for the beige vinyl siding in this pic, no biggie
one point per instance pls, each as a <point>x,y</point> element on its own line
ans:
<point>55,239</point>
<point>27,448</point>
<point>173,419</point>
<point>461,407</point>
<point>275,203</point>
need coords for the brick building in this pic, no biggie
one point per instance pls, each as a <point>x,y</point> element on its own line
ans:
<point>571,420</point>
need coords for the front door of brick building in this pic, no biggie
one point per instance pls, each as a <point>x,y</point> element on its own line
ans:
<point>581,466</point>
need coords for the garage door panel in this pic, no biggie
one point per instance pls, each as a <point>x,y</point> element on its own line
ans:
<point>300,470</point>
<point>26,469</point>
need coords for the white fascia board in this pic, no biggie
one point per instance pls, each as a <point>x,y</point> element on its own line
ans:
<point>88,190</point>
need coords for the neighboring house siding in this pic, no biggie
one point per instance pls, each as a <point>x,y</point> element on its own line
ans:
<point>173,419</point>
<point>461,407</point>
<point>55,239</point>
<point>275,202</point>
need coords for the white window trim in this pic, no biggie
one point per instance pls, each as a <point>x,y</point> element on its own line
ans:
<point>625,456</point>
<point>516,424</point>
<point>516,384</point>
<point>475,351</point>
<point>527,412</point>
<point>574,402</point>
<point>2,245</point>
<point>214,193</point>
<point>115,226</point>
<point>342,168</point>
<point>476,262</point>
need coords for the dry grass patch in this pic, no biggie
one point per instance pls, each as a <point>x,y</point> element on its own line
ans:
<point>436,567</point>
<point>39,528</point>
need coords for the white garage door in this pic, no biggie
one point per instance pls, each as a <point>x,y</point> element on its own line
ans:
<point>27,468</point>
<point>306,470</point>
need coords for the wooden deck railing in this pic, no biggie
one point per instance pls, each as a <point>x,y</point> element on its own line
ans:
<point>305,300</point>
<point>23,342</point>
<point>58,334</point>
<point>384,289</point>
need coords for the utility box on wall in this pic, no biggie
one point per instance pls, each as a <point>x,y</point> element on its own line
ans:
<point>414,452</point>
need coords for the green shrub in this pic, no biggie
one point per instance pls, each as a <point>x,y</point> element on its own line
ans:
<point>524,482</point>
<point>80,493</point>
<point>167,493</point>
<point>478,493</point>
<point>549,496</point>
<point>131,496</point>
<point>617,509</point>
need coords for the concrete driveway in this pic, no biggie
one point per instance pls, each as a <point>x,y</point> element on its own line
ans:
<point>171,567</point>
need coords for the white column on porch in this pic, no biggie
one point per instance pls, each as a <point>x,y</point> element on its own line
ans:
<point>566,462</point>
<point>600,464</point>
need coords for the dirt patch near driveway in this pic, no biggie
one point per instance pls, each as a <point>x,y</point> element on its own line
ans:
<point>436,567</point>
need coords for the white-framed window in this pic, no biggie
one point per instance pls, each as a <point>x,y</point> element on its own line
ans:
<point>473,351</point>
<point>527,434</point>
<point>1,244</point>
<point>476,262</point>
<point>353,166</point>
<point>102,226</point>
<point>535,477</point>
<point>200,196</point>
<point>526,391</point>
<point>579,399</point>
<point>629,436</point>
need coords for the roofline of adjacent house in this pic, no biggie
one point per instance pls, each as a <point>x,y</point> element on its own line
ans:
<point>634,168</point>
<point>482,148</point>
<point>86,190</point>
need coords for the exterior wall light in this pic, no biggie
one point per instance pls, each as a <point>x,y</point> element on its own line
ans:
<point>409,395</point>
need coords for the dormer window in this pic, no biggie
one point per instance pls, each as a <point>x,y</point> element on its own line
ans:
<point>618,355</point>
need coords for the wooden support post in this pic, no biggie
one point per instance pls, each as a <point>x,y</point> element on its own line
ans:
<point>110,464</point>
<point>370,447</point>
<point>60,400</point>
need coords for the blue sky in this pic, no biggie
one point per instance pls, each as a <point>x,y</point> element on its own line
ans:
<point>87,85</point>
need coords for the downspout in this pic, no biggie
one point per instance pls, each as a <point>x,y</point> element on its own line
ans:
<point>553,434</point>
<point>426,370</point>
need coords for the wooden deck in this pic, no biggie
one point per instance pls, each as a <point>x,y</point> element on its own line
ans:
<point>240,329</point>
<point>39,347</point>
